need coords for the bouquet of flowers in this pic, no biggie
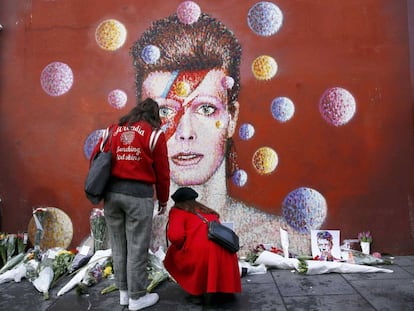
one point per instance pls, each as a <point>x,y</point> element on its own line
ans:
<point>61,264</point>
<point>252,256</point>
<point>38,216</point>
<point>156,270</point>
<point>45,277</point>
<point>3,252</point>
<point>310,267</point>
<point>365,236</point>
<point>100,257</point>
<point>10,246</point>
<point>98,228</point>
<point>21,242</point>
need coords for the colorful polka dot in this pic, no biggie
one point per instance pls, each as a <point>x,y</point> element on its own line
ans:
<point>188,12</point>
<point>246,131</point>
<point>91,142</point>
<point>282,109</point>
<point>304,209</point>
<point>264,67</point>
<point>56,79</point>
<point>110,35</point>
<point>265,18</point>
<point>239,178</point>
<point>265,160</point>
<point>337,106</point>
<point>117,99</point>
<point>150,54</point>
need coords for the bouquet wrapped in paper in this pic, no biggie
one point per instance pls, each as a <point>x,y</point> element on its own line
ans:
<point>98,228</point>
<point>46,270</point>
<point>10,245</point>
<point>14,274</point>
<point>100,257</point>
<point>3,252</point>
<point>38,216</point>
<point>156,270</point>
<point>92,276</point>
<point>45,277</point>
<point>314,266</point>
<point>21,242</point>
<point>61,264</point>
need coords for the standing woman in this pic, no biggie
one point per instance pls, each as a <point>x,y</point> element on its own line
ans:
<point>199,265</point>
<point>139,161</point>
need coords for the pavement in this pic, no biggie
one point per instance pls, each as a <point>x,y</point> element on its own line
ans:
<point>275,290</point>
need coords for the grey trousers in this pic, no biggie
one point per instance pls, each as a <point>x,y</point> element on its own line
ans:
<point>129,223</point>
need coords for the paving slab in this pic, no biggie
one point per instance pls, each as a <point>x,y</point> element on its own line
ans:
<point>387,295</point>
<point>295,284</point>
<point>328,303</point>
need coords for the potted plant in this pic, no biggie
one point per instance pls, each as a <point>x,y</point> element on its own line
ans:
<point>365,239</point>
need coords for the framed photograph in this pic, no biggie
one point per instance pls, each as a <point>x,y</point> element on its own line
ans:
<point>326,245</point>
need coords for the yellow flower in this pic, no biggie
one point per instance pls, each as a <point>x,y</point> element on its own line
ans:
<point>107,271</point>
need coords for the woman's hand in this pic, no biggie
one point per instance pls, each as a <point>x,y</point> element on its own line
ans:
<point>161,208</point>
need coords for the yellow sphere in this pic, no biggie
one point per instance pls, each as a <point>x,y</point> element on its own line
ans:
<point>264,67</point>
<point>265,160</point>
<point>110,35</point>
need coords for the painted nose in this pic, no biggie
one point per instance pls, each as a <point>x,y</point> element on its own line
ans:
<point>185,129</point>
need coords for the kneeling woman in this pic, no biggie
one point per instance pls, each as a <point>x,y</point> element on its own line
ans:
<point>199,266</point>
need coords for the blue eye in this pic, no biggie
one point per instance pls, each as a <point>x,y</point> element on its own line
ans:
<point>167,112</point>
<point>206,109</point>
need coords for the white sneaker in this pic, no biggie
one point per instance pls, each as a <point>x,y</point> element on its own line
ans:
<point>143,302</point>
<point>123,297</point>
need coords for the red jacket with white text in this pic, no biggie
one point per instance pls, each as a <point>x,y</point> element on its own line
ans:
<point>133,159</point>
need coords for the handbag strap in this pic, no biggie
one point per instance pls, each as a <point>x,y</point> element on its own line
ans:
<point>202,217</point>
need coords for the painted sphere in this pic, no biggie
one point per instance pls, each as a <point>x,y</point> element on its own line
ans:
<point>188,12</point>
<point>265,160</point>
<point>246,131</point>
<point>91,142</point>
<point>282,109</point>
<point>239,178</point>
<point>337,106</point>
<point>265,18</point>
<point>56,79</point>
<point>227,82</point>
<point>150,54</point>
<point>264,67</point>
<point>110,35</point>
<point>117,99</point>
<point>304,209</point>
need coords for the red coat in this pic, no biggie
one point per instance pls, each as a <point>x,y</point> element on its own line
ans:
<point>197,264</point>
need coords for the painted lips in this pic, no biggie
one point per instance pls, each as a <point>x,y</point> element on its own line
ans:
<point>187,159</point>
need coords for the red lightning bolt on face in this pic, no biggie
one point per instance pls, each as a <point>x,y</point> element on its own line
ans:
<point>180,91</point>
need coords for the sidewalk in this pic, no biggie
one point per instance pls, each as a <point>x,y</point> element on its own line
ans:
<point>275,290</point>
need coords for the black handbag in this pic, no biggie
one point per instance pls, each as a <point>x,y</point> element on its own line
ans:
<point>222,235</point>
<point>99,172</point>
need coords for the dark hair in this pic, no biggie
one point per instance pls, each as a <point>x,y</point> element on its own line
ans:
<point>326,235</point>
<point>147,110</point>
<point>205,44</point>
<point>192,205</point>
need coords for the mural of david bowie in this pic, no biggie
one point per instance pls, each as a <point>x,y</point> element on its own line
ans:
<point>193,72</point>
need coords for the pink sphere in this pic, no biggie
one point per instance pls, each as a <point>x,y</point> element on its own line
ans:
<point>188,12</point>
<point>337,106</point>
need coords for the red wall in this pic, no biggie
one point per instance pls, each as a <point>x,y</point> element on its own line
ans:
<point>364,169</point>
